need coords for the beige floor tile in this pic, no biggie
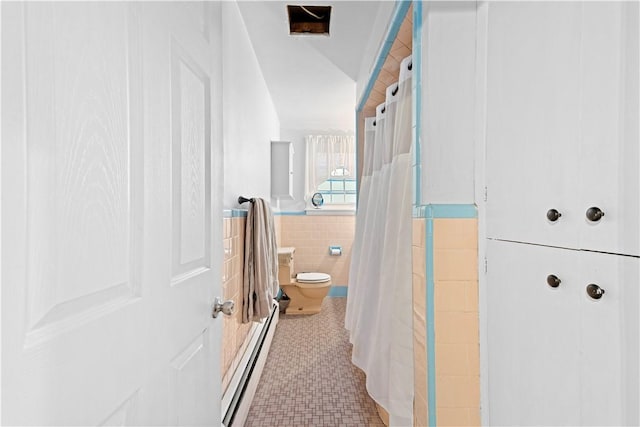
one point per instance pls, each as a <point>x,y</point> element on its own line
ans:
<point>309,378</point>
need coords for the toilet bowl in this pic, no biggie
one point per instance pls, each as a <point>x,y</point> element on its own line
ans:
<point>307,290</point>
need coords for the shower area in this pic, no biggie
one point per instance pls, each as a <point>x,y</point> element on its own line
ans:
<point>380,275</point>
<point>413,309</point>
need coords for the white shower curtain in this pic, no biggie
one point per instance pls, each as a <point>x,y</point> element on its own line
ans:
<point>379,306</point>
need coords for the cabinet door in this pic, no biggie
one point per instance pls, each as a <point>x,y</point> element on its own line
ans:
<point>532,121</point>
<point>534,335</point>
<point>282,170</point>
<point>558,356</point>
<point>609,338</point>
<point>608,141</point>
<point>562,124</point>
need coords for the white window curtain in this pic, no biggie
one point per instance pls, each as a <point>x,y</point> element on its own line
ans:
<point>379,314</point>
<point>326,153</point>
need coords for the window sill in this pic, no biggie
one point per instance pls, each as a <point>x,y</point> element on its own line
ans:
<point>331,210</point>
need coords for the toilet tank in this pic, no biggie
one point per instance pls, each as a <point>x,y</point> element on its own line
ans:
<point>285,265</point>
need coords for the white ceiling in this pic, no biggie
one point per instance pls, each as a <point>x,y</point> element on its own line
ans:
<point>312,78</point>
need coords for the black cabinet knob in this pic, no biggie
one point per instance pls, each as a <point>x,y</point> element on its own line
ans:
<point>595,291</point>
<point>553,281</point>
<point>594,214</point>
<point>553,215</point>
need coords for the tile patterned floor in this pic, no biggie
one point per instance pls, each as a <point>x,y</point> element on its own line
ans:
<point>309,379</point>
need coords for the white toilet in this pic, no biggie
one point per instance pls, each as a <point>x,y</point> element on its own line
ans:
<point>307,290</point>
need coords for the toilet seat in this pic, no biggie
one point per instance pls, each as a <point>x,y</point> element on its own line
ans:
<point>312,277</point>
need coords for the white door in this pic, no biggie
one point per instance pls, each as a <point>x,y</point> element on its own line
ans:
<point>110,222</point>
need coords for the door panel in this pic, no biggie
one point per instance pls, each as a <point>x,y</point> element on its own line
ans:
<point>532,121</point>
<point>191,137</point>
<point>95,314</point>
<point>608,144</point>
<point>533,333</point>
<point>558,356</point>
<point>604,337</point>
<point>83,252</point>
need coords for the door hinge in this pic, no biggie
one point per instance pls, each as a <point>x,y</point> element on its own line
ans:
<point>485,193</point>
<point>485,264</point>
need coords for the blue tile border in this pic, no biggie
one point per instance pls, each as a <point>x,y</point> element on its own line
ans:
<point>338,291</point>
<point>239,213</point>
<point>416,77</point>
<point>290,213</point>
<point>431,330</point>
<point>460,211</point>
<point>234,213</point>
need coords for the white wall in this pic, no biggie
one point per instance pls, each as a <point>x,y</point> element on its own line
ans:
<point>250,118</point>
<point>448,102</point>
<point>296,136</point>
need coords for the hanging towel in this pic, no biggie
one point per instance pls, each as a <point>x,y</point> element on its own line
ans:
<point>260,263</point>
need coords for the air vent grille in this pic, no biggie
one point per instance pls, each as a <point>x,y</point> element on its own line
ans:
<point>309,20</point>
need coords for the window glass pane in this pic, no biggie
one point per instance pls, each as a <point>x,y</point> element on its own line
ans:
<point>350,185</point>
<point>337,185</point>
<point>338,198</point>
<point>325,186</point>
<point>350,198</point>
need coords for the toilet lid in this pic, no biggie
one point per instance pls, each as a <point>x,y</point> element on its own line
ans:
<point>313,277</point>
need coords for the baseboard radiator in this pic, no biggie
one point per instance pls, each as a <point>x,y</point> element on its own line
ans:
<point>239,395</point>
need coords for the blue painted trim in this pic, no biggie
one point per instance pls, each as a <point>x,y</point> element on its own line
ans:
<point>290,213</point>
<point>431,332</point>
<point>451,211</point>
<point>234,213</point>
<point>338,291</point>
<point>357,134</point>
<point>445,211</point>
<point>239,213</point>
<point>399,13</point>
<point>416,78</point>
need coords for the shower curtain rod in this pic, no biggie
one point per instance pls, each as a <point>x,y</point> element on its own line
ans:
<point>242,200</point>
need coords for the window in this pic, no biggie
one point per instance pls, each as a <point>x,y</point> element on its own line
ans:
<point>331,169</point>
<point>339,189</point>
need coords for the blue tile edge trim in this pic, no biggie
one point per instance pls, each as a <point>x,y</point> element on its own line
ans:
<point>239,213</point>
<point>445,211</point>
<point>338,291</point>
<point>399,13</point>
<point>431,332</point>
<point>417,99</point>
<point>234,213</point>
<point>290,213</point>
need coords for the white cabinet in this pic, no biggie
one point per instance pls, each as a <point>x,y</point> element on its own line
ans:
<point>282,170</point>
<point>562,133</point>
<point>555,352</point>
<point>562,124</point>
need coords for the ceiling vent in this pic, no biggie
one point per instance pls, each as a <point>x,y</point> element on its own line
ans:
<point>309,20</point>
